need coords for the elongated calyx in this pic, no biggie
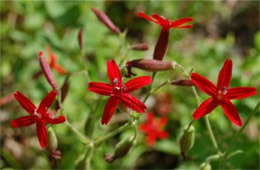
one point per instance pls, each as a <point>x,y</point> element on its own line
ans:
<point>140,47</point>
<point>187,140</point>
<point>53,141</point>
<point>47,71</point>
<point>122,148</point>
<point>106,20</point>
<point>185,82</point>
<point>149,65</point>
<point>80,39</point>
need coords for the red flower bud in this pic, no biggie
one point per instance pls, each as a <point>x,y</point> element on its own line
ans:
<point>149,65</point>
<point>105,19</point>
<point>80,38</point>
<point>140,47</point>
<point>183,83</point>
<point>47,71</point>
<point>64,91</point>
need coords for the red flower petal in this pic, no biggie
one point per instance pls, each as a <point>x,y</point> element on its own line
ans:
<point>225,74</point>
<point>205,108</point>
<point>178,23</point>
<point>42,134</point>
<point>159,19</point>
<point>132,102</point>
<point>23,121</point>
<point>137,83</point>
<point>109,109</point>
<point>162,135</point>
<point>52,57</point>
<point>231,112</point>
<point>150,139</point>
<point>113,73</point>
<point>162,121</point>
<point>150,118</point>
<point>204,84</point>
<point>59,119</point>
<point>46,102</point>
<point>143,15</point>
<point>25,102</point>
<point>100,88</point>
<point>59,69</point>
<point>185,26</point>
<point>144,127</point>
<point>241,92</point>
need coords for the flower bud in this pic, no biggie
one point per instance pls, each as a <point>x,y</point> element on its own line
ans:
<point>52,141</point>
<point>182,83</point>
<point>80,38</point>
<point>47,71</point>
<point>149,65</point>
<point>140,47</point>
<point>105,19</point>
<point>187,140</point>
<point>122,148</point>
<point>205,166</point>
<point>161,45</point>
<point>64,92</point>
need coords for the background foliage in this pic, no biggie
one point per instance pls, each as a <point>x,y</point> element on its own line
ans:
<point>222,29</point>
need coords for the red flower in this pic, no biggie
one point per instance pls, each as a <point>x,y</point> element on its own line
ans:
<point>221,94</point>
<point>118,91</point>
<point>53,62</point>
<point>40,115</point>
<point>166,24</point>
<point>154,128</point>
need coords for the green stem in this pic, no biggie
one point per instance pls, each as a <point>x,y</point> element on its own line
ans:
<point>206,118</point>
<point>150,91</point>
<point>81,137</point>
<point>113,133</point>
<point>84,64</point>
<point>238,134</point>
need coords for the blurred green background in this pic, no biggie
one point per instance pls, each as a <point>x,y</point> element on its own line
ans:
<point>222,29</point>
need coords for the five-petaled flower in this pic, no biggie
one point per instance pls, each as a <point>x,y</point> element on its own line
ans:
<point>119,91</point>
<point>166,24</point>
<point>221,94</point>
<point>40,115</point>
<point>154,128</point>
<point>53,62</point>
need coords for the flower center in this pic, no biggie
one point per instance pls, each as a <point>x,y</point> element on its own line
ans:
<point>37,114</point>
<point>222,91</point>
<point>118,88</point>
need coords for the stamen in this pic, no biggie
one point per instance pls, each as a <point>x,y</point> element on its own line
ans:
<point>37,114</point>
<point>115,81</point>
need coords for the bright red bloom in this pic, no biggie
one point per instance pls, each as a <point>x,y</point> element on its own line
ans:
<point>221,94</point>
<point>118,91</point>
<point>154,128</point>
<point>166,24</point>
<point>53,62</point>
<point>40,115</point>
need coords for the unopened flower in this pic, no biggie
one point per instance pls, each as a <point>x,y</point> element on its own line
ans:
<point>119,91</point>
<point>40,115</point>
<point>221,94</point>
<point>140,47</point>
<point>182,83</point>
<point>80,39</point>
<point>166,24</point>
<point>53,62</point>
<point>47,71</point>
<point>105,19</point>
<point>149,65</point>
<point>154,128</point>
<point>121,149</point>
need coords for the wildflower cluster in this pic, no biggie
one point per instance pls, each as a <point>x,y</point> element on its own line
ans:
<point>119,94</point>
